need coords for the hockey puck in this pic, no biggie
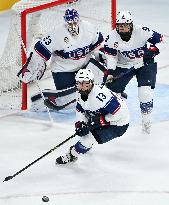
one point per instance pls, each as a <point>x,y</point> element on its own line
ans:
<point>45,199</point>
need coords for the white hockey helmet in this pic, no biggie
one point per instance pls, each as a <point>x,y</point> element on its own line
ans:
<point>124,17</point>
<point>84,75</point>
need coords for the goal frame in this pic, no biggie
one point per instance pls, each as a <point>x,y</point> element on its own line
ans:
<point>24,14</point>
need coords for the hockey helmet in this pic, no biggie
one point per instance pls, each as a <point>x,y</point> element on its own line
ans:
<point>124,17</point>
<point>71,18</point>
<point>71,15</point>
<point>84,82</point>
<point>84,75</point>
<point>124,25</point>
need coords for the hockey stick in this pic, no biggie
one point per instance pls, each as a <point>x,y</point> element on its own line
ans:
<point>57,146</point>
<point>104,70</point>
<point>53,106</point>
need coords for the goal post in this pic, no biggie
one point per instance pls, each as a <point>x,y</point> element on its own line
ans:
<point>31,20</point>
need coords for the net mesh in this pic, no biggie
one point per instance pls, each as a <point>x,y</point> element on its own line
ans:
<point>38,24</point>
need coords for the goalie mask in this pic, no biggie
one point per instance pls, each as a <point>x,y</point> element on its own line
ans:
<point>84,81</point>
<point>124,25</point>
<point>72,21</point>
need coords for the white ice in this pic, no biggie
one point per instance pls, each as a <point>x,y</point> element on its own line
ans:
<point>130,170</point>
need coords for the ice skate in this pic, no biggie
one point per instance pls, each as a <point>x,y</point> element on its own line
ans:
<point>146,127</point>
<point>65,159</point>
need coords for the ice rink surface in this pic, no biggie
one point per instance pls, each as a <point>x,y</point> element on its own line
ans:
<point>131,170</point>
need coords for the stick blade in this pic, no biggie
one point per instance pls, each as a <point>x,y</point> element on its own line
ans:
<point>8,178</point>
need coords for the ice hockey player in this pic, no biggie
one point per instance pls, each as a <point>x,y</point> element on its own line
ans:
<point>69,47</point>
<point>130,50</point>
<point>101,116</point>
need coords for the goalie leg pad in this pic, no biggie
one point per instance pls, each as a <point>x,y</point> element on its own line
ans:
<point>56,98</point>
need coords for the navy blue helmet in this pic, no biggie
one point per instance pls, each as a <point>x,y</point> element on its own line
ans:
<point>71,15</point>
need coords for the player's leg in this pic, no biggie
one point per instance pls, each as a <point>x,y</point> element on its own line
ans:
<point>64,80</point>
<point>85,143</point>
<point>146,77</point>
<point>81,147</point>
<point>108,133</point>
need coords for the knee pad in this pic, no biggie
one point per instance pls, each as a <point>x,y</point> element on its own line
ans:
<point>145,95</point>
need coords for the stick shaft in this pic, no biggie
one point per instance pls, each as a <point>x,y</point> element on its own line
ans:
<point>26,167</point>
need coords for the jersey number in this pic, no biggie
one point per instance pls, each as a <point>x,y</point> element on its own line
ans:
<point>101,97</point>
<point>47,40</point>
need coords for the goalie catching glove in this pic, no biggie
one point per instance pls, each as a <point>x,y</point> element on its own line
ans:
<point>33,69</point>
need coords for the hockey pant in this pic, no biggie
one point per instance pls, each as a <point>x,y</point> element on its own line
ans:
<point>64,80</point>
<point>146,76</point>
<point>100,136</point>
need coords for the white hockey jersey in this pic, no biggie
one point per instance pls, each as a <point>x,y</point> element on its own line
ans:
<point>129,54</point>
<point>103,101</point>
<point>69,53</point>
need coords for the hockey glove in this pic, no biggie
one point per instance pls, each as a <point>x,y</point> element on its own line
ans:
<point>150,53</point>
<point>24,74</point>
<point>32,70</point>
<point>97,121</point>
<point>82,128</point>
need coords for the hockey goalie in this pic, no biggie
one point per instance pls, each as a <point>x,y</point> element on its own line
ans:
<point>69,48</point>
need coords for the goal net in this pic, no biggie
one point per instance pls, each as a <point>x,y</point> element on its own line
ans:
<point>30,20</point>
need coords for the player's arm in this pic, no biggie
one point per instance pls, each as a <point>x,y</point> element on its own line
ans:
<point>80,113</point>
<point>34,67</point>
<point>153,38</point>
<point>97,41</point>
<point>108,107</point>
<point>81,124</point>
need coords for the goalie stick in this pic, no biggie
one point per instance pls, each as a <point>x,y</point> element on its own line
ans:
<point>53,106</point>
<point>55,94</point>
